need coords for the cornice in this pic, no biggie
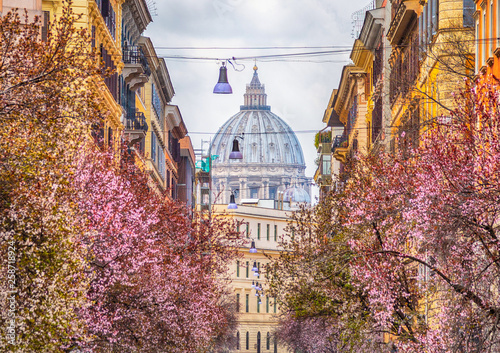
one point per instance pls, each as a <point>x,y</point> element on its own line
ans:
<point>398,28</point>
<point>141,14</point>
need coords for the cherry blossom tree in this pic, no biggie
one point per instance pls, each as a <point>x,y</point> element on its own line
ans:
<point>322,310</point>
<point>157,274</point>
<point>435,214</point>
<point>44,116</point>
<point>420,228</point>
<point>96,259</point>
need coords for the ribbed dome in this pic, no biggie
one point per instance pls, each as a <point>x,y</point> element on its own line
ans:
<point>272,155</point>
<point>296,194</point>
<point>266,138</point>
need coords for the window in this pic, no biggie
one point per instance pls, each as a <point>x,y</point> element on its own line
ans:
<point>477,46</point>
<point>247,269</point>
<point>110,137</point>
<point>238,340</point>
<point>156,102</point>
<point>247,304</point>
<point>428,22</point>
<point>267,305</point>
<point>258,342</point>
<point>267,237</point>
<point>45,27</point>
<point>497,24</point>
<point>272,192</point>
<point>237,302</point>
<point>112,80</point>
<point>254,192</point>
<point>153,147</point>
<point>258,231</point>
<point>248,340</point>
<point>377,119</point>
<point>275,346</point>
<point>141,93</point>
<point>268,341</point>
<point>238,228</point>
<point>490,39</point>
<point>327,164</point>
<point>248,230</point>
<point>237,269</point>
<point>484,41</point>
<point>435,16</point>
<point>275,306</point>
<point>258,304</point>
<point>158,156</point>
<point>275,232</point>
<point>468,11</point>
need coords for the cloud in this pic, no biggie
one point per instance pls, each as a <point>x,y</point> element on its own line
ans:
<point>297,91</point>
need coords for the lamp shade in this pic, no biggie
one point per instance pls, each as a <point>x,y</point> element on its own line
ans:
<point>223,86</point>
<point>253,249</point>
<point>232,203</point>
<point>235,153</point>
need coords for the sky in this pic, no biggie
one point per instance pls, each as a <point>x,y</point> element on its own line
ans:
<point>298,89</point>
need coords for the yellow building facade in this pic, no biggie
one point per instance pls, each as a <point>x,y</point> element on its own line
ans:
<point>257,314</point>
<point>446,54</point>
<point>487,33</point>
<point>102,19</point>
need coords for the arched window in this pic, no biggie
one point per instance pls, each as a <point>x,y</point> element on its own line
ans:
<point>258,342</point>
<point>238,340</point>
<point>248,341</point>
<point>268,341</point>
<point>254,192</point>
<point>275,345</point>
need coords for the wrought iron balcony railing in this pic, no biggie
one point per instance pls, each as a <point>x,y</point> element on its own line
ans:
<point>340,141</point>
<point>136,123</point>
<point>134,55</point>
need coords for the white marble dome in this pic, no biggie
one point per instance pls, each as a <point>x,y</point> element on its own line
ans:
<point>296,194</point>
<point>265,139</point>
<point>272,156</point>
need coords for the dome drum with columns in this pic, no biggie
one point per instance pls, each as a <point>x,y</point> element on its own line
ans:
<point>273,162</point>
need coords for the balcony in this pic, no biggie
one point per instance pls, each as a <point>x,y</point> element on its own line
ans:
<point>340,148</point>
<point>325,148</point>
<point>135,129</point>
<point>136,70</point>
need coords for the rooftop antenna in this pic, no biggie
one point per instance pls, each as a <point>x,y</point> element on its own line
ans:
<point>358,18</point>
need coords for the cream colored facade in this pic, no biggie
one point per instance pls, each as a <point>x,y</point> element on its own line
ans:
<point>265,226</point>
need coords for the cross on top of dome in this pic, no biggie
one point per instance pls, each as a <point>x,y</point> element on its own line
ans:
<point>255,79</point>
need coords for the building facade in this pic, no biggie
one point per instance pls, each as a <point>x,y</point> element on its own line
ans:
<point>409,58</point>
<point>137,94</point>
<point>257,312</point>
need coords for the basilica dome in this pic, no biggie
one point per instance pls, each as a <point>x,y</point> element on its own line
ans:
<point>264,138</point>
<point>272,156</point>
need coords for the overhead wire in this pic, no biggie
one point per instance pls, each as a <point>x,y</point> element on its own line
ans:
<point>336,50</point>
